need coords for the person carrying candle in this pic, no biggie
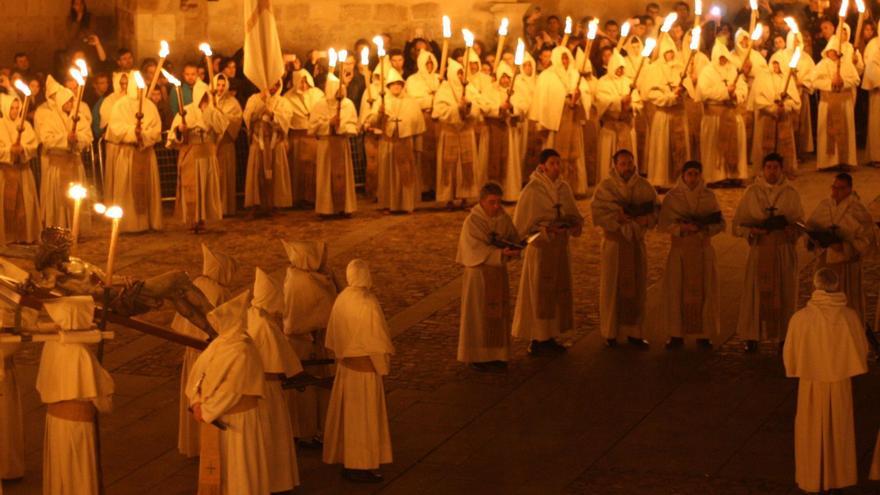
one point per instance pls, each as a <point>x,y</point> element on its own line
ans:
<point>777,103</point>
<point>617,102</point>
<point>422,86</point>
<point>267,116</point>
<point>301,146</point>
<point>668,144</point>
<point>18,191</point>
<point>226,157</point>
<point>332,121</point>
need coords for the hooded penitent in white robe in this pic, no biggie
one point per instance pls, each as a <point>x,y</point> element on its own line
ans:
<point>691,293</point>
<point>555,114</point>
<point>334,171</point>
<point>544,302</point>
<point>356,433</point>
<point>400,121</point>
<point>753,65</point>
<point>75,387</point>
<point>852,222</point>
<point>692,104</point>
<point>623,282</point>
<point>825,347</point>
<point>531,140</point>
<point>301,153</point>
<point>62,161</point>
<point>803,122</point>
<point>774,132</point>
<point>227,383</point>
<point>376,177</point>
<point>226,159</point>
<point>12,461</point>
<point>484,331</point>
<point>267,184</point>
<point>264,320</point>
<point>723,142</point>
<point>217,272</point>
<point>618,128</point>
<point>504,159</point>
<point>309,293</point>
<point>836,125</point>
<point>120,89</point>
<point>871,84</point>
<point>422,86</point>
<point>136,172</point>
<point>770,289</point>
<point>198,171</point>
<point>18,190</point>
<point>668,146</point>
<point>457,163</point>
<point>481,98</point>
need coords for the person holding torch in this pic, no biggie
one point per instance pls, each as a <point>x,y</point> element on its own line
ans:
<point>777,102</point>
<point>18,191</point>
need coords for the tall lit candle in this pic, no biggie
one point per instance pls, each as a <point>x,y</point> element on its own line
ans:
<point>332,59</point>
<point>753,18</point>
<point>141,86</point>
<point>468,46</point>
<point>650,44</point>
<point>341,57</point>
<point>206,49</point>
<point>664,29</point>
<point>26,91</point>
<point>115,214</point>
<point>695,47</point>
<point>592,30</point>
<point>163,54</point>
<point>176,83</point>
<point>567,31</point>
<point>624,33</point>
<point>81,84</point>
<point>379,41</point>
<point>844,6</point>
<point>518,59</point>
<point>365,70</point>
<point>444,52</point>
<point>77,193</point>
<point>502,37</point>
<point>698,12</point>
<point>860,6</point>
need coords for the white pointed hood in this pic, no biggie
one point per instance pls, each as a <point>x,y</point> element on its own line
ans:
<point>218,267</point>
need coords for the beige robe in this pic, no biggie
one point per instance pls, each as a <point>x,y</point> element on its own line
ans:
<point>136,170</point>
<point>267,183</point>
<point>871,83</point>
<point>484,329</point>
<point>772,132</point>
<point>712,92</point>
<point>302,146</point>
<point>852,222</point>
<point>623,284</point>
<point>618,129</point>
<point>422,86</point>
<point>334,170</point>
<point>668,143</point>
<point>505,146</point>
<point>825,347</point>
<point>692,295</point>
<point>774,275</point>
<point>20,220</point>
<point>226,154</point>
<point>544,301</point>
<point>820,79</point>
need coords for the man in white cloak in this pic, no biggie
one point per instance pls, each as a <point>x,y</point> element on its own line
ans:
<point>214,282</point>
<point>723,143</point>
<point>777,103</point>
<point>506,116</point>
<point>18,190</point>
<point>120,90</point>
<point>691,215</point>
<point>625,208</point>
<point>845,217</point>
<point>825,347</point>
<point>198,171</point>
<point>356,433</point>
<point>224,390</point>
<point>545,302</point>
<point>309,293</point>
<point>617,102</point>
<point>226,157</point>
<point>668,146</point>
<point>488,239</point>
<point>135,179</point>
<point>422,86</point>
<point>871,84</point>
<point>75,388</point>
<point>267,183</point>
<point>264,321</point>
<point>301,153</point>
<point>766,218</point>
<point>333,120</point>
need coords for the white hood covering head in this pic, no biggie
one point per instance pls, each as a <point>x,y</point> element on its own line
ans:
<point>358,274</point>
<point>264,327</point>
<point>52,87</point>
<point>452,70</point>
<point>229,318</point>
<point>267,293</point>
<point>298,76</point>
<point>393,77</point>
<point>719,51</point>
<point>200,89</point>
<point>306,255</point>
<point>6,105</point>
<point>218,267</point>
<point>422,61</point>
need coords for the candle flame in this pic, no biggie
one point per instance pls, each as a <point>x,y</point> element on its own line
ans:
<point>206,49</point>
<point>139,80</point>
<point>21,86</point>
<point>468,38</point>
<point>792,25</point>
<point>77,76</point>
<point>365,56</point>
<point>520,52</point>
<point>173,80</point>
<point>795,58</point>
<point>81,65</point>
<point>164,50</point>
<point>668,22</point>
<point>100,209</point>
<point>753,4</point>
<point>331,55</point>
<point>860,6</point>
<point>650,43</point>
<point>567,24</point>
<point>844,6</point>
<point>114,212</point>
<point>342,56</point>
<point>624,30</point>
<point>379,41</point>
<point>502,29</point>
<point>715,11</point>
<point>447,27</point>
<point>76,191</point>
<point>698,8</point>
<point>695,38</point>
<point>592,29</point>
<point>759,30</point>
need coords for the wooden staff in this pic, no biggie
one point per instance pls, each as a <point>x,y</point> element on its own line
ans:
<point>698,12</point>
<point>468,43</point>
<point>650,43</point>
<point>26,91</point>
<point>81,84</point>
<point>163,53</point>
<point>444,52</point>
<point>860,6</point>
<point>567,32</point>
<point>756,35</point>
<point>753,17</point>
<point>502,37</point>
<point>695,46</point>
<point>206,49</point>
<point>592,29</point>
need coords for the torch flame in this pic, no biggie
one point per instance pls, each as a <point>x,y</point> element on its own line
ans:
<point>860,6</point>
<point>650,43</point>
<point>698,8</point>
<point>379,41</point>
<point>21,86</point>
<point>792,25</point>
<point>715,11</point>
<point>567,24</point>
<point>502,29</point>
<point>844,5</point>
<point>139,80</point>
<point>206,49</point>
<point>81,65</point>
<point>520,52</point>
<point>365,56</point>
<point>331,55</point>
<point>759,30</point>
<point>163,49</point>
<point>77,76</point>
<point>342,56</point>
<point>447,27</point>
<point>795,58</point>
<point>624,30</point>
<point>100,209</point>
<point>753,4</point>
<point>76,191</point>
<point>468,38</point>
<point>668,22</point>
<point>173,80</point>
<point>695,38</point>
<point>592,29</point>
<point>114,212</point>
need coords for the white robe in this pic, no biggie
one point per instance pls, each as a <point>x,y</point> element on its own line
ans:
<point>871,83</point>
<point>752,210</point>
<point>712,91</point>
<point>463,182</point>
<point>825,347</point>
<point>767,89</point>
<point>136,171</point>
<point>268,157</point>
<point>511,169</point>
<point>532,319</point>
<point>319,126</point>
<point>608,201</point>
<point>226,155</point>
<point>484,329</point>
<point>23,223</point>
<point>661,80</point>
<point>609,93</point>
<point>820,79</point>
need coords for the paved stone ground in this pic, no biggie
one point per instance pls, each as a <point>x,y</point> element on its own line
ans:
<point>592,421</point>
